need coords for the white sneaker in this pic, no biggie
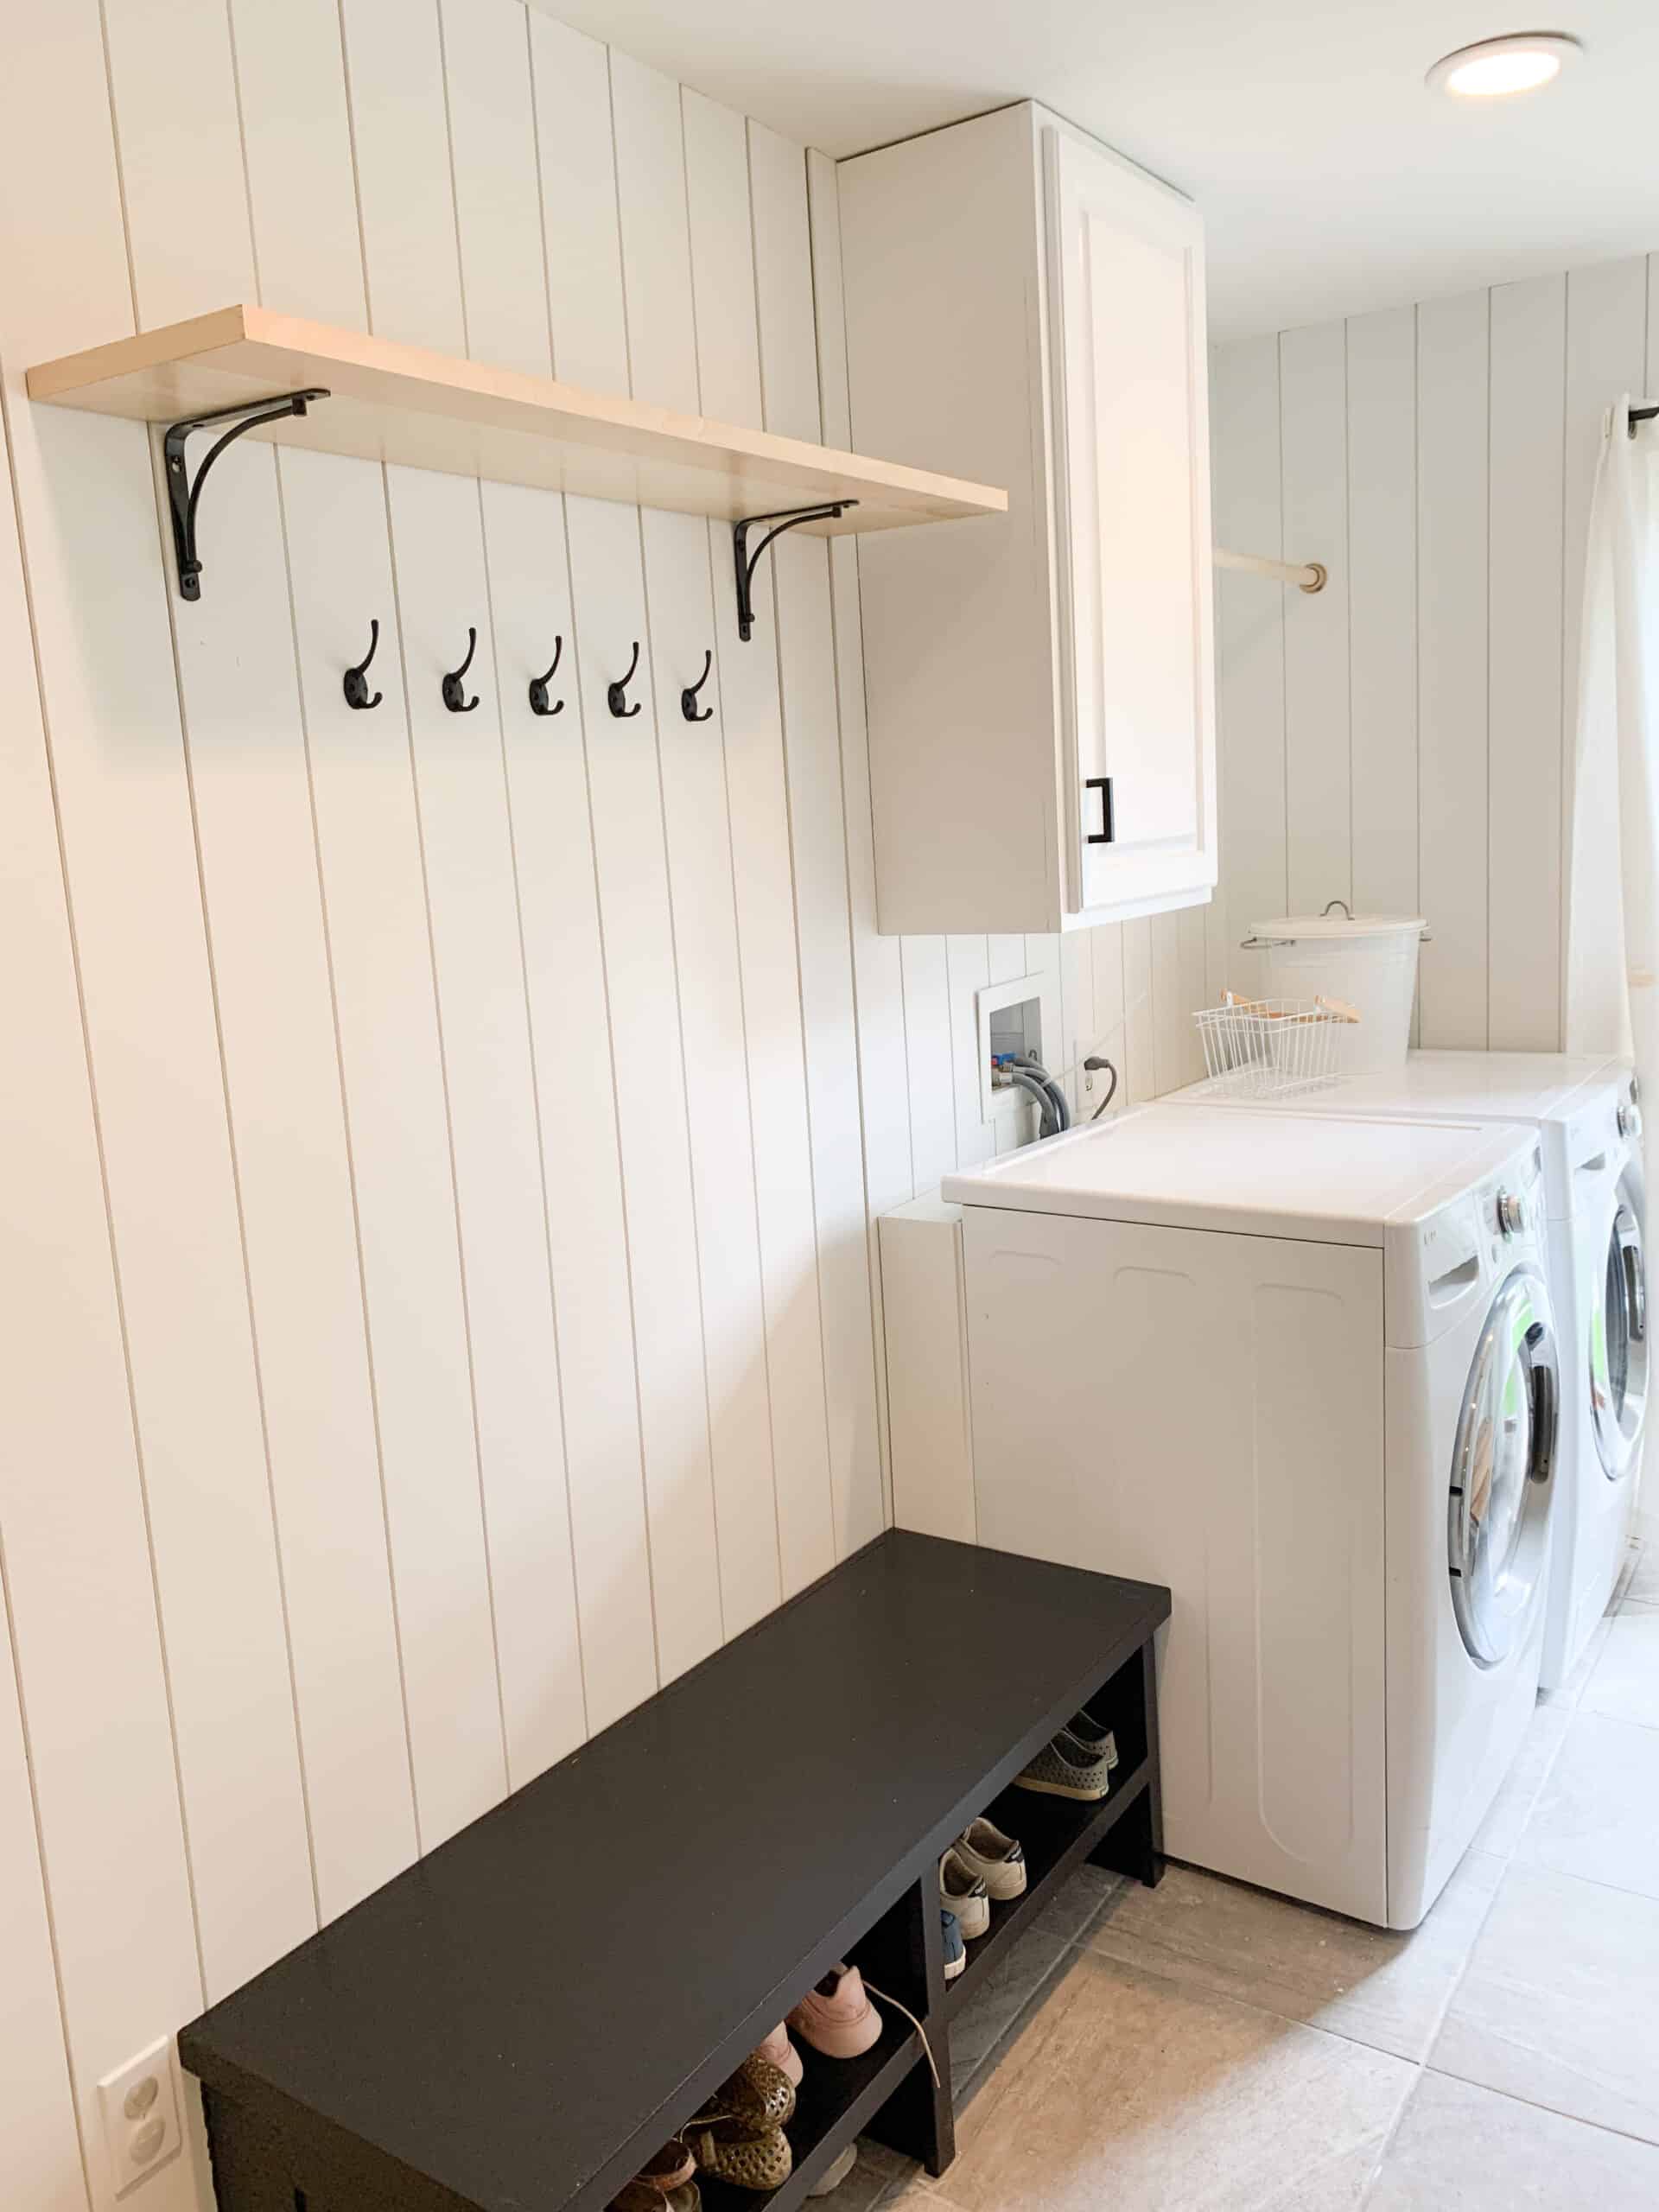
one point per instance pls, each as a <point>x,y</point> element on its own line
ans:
<point>998,1860</point>
<point>962,1891</point>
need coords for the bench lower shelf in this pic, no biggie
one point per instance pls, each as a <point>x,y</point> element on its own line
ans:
<point>1058,1835</point>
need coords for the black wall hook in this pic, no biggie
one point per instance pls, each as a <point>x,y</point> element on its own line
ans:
<point>455,693</point>
<point>688,696</point>
<point>538,699</point>
<point>354,682</point>
<point>616,695</point>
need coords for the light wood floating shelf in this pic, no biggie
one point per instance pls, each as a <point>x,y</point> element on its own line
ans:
<point>388,402</point>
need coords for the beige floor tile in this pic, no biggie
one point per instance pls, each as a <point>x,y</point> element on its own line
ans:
<point>1643,1585</point>
<point>1560,2005</point>
<point>1376,1987</point>
<point>1077,1903</point>
<point>1597,1816</point>
<point>1501,1830</point>
<point>1463,2149</point>
<point>879,2173</point>
<point>918,2192</point>
<point>1125,2089</point>
<point>1572,1691</point>
<point>998,2000</point>
<point>1628,1566</point>
<point>1625,1685</point>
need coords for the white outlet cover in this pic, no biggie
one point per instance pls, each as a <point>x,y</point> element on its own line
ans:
<point>141,2123</point>
<point>1004,1105</point>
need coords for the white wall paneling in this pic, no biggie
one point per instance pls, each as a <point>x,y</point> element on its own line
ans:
<point>260,885</point>
<point>878,989</point>
<point>443,1176</point>
<point>577,161</point>
<point>1313,424</point>
<point>967,970</point>
<point>42,2155</point>
<point>728,368</point>
<point>1526,799</point>
<point>1140,1046</point>
<point>1249,645</point>
<point>930,1061</point>
<point>498,198</point>
<point>633,900</point>
<point>297,142</point>
<point>806,648</point>
<point>717,1067</point>
<point>368,835</point>
<point>251,783</point>
<point>1454,369</point>
<point>564,968</point>
<point>1612,348</point>
<point>131,862</point>
<point>662,1212</point>
<point>466,845</point>
<point>406,203</point>
<point>1446,696</point>
<point>73,1534</point>
<point>1381,561</point>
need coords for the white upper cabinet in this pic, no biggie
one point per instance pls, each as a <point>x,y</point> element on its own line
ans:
<point>1026,307</point>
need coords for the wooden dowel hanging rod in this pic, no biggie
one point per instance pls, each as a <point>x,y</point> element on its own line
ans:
<point>1306,576</point>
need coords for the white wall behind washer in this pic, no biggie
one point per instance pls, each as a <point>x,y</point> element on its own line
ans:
<point>1403,739</point>
<point>437,1154</point>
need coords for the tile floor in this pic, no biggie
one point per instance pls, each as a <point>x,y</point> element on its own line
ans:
<point>1208,2048</point>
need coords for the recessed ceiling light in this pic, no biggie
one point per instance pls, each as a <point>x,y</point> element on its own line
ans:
<point>1499,67</point>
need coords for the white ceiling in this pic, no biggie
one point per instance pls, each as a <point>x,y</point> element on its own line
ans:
<point>1332,180</point>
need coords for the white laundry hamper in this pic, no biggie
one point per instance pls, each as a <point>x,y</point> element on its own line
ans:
<point>1368,960</point>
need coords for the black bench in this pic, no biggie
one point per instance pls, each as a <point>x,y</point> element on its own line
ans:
<point>518,2021</point>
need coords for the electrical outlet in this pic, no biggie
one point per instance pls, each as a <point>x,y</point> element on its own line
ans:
<point>139,2106</point>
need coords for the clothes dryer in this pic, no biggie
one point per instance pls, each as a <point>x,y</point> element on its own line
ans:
<point>1585,1112</point>
<point>1302,1370</point>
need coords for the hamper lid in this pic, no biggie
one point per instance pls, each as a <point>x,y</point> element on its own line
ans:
<point>1339,925</point>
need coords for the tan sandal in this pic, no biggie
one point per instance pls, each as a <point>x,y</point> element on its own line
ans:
<point>645,2193</point>
<point>759,2096</point>
<point>758,2162</point>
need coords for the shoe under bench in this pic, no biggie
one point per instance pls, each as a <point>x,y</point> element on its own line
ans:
<point>516,2023</point>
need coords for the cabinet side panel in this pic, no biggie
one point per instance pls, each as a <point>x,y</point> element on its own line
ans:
<point>941,270</point>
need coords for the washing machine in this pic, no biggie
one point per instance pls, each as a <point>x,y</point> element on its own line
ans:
<point>1589,1125</point>
<point>1303,1370</point>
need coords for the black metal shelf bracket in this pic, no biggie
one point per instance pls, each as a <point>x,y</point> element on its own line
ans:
<point>184,497</point>
<point>746,563</point>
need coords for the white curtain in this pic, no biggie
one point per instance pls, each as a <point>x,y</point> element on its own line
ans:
<point>1612,939</point>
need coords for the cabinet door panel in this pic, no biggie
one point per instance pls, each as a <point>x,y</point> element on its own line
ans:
<point>1126,274</point>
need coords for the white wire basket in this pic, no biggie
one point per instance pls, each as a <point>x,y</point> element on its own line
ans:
<point>1273,1048</point>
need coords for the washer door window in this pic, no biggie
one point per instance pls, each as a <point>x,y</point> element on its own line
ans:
<point>1501,1465</point>
<point>1618,1343</point>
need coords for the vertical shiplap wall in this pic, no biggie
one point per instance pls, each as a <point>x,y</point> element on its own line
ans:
<point>439,1153</point>
<point>1404,739</point>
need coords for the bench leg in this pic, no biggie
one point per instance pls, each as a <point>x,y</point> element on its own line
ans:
<point>1136,1844</point>
<point>904,1954</point>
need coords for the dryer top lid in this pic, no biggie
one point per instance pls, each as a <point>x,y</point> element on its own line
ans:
<point>1534,1085</point>
<point>1336,1179</point>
